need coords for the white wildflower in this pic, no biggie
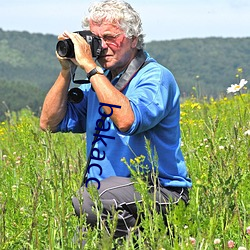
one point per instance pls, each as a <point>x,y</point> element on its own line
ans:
<point>247,133</point>
<point>236,87</point>
<point>217,241</point>
<point>242,248</point>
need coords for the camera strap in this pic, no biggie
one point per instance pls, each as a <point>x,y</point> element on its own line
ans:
<point>136,64</point>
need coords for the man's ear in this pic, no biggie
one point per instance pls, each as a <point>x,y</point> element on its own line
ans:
<point>134,42</point>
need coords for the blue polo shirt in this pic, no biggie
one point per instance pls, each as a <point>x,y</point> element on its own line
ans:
<point>154,97</point>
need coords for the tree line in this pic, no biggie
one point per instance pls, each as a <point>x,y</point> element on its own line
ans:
<point>202,67</point>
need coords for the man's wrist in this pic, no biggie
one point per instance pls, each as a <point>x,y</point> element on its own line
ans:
<point>65,73</point>
<point>97,70</point>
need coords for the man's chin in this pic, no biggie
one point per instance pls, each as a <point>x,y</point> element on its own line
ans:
<point>105,63</point>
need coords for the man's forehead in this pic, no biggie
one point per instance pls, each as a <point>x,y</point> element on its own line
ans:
<point>104,27</point>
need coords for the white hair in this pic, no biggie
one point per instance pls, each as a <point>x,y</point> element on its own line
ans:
<point>120,13</point>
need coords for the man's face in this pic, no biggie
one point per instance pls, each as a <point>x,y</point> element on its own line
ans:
<point>118,50</point>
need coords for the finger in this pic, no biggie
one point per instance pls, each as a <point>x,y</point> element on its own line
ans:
<point>59,57</point>
<point>70,35</point>
<point>66,33</point>
<point>75,37</point>
<point>62,36</point>
<point>69,60</point>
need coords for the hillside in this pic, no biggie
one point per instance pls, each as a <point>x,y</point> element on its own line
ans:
<point>211,63</point>
<point>28,66</point>
<point>28,57</point>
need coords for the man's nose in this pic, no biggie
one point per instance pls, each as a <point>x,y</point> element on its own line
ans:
<point>104,44</point>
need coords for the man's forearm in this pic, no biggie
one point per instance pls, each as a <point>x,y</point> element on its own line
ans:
<point>107,93</point>
<point>55,103</point>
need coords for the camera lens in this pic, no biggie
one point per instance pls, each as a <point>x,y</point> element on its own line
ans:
<point>65,48</point>
<point>75,95</point>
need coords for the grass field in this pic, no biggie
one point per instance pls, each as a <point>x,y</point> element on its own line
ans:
<point>40,172</point>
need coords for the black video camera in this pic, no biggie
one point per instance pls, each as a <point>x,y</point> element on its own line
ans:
<point>65,48</point>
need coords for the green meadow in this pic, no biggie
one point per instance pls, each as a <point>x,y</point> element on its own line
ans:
<point>40,172</point>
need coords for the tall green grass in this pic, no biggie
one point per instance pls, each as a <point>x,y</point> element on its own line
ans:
<point>40,172</point>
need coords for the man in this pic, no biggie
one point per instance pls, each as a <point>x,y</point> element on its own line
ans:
<point>139,99</point>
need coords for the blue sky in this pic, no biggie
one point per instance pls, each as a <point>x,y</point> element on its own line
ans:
<point>162,19</point>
